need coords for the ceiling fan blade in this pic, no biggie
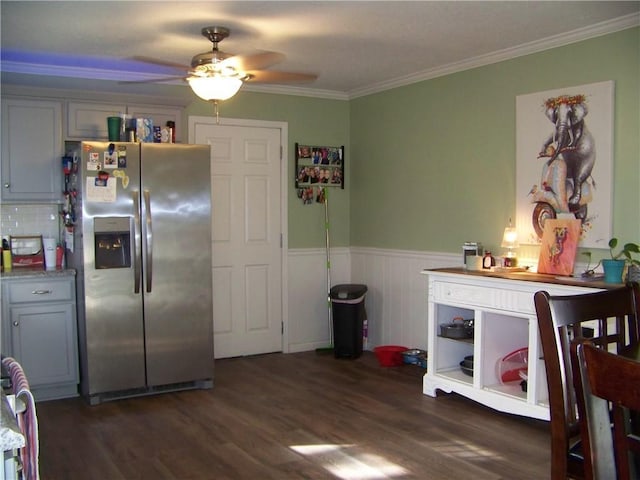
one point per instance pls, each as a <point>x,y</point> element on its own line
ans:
<point>256,61</point>
<point>153,80</point>
<point>157,61</point>
<point>269,76</point>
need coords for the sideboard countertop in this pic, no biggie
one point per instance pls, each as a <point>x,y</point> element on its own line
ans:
<point>529,277</point>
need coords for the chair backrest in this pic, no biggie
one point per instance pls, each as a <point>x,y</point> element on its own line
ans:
<point>614,323</point>
<point>606,379</point>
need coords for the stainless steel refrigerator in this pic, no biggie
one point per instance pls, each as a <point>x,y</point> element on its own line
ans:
<point>142,250</point>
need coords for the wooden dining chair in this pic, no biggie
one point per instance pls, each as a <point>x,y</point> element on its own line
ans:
<point>608,379</point>
<point>561,319</point>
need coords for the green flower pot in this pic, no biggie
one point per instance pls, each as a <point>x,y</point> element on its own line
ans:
<point>613,270</point>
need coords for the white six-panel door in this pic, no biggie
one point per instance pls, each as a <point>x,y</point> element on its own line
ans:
<point>246,233</point>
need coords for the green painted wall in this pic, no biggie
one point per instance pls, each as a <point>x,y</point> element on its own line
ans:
<point>312,121</point>
<point>433,164</point>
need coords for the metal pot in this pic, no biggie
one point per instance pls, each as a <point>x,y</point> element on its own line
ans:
<point>458,328</point>
<point>466,370</point>
<point>415,356</point>
<point>468,362</point>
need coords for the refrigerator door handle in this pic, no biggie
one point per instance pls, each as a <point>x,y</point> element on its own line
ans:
<point>137,257</point>
<point>149,239</point>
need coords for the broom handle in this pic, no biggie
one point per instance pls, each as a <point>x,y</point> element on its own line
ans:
<point>328,250</point>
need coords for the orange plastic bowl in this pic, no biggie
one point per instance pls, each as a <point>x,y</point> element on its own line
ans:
<point>389,355</point>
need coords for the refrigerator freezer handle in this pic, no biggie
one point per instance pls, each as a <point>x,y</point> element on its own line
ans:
<point>137,257</point>
<point>149,239</point>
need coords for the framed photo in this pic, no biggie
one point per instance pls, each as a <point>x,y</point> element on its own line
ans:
<point>564,158</point>
<point>319,166</point>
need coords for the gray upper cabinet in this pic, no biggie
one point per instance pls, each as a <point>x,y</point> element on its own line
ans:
<point>160,116</point>
<point>89,120</point>
<point>31,150</point>
<point>33,130</point>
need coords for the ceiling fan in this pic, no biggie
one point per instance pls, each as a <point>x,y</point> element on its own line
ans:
<point>216,75</point>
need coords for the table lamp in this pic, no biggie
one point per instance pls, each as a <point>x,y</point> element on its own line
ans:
<point>510,242</point>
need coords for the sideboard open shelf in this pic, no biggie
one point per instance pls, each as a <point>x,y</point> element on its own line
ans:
<point>504,318</point>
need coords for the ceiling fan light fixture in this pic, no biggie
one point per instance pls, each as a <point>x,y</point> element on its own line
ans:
<point>215,87</point>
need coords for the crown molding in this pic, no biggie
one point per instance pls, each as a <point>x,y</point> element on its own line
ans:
<point>597,30</point>
<point>298,91</point>
<point>75,72</point>
<point>129,76</point>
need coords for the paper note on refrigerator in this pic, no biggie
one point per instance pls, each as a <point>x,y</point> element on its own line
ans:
<point>68,239</point>
<point>101,193</point>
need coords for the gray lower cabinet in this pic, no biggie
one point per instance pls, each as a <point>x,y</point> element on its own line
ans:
<point>40,332</point>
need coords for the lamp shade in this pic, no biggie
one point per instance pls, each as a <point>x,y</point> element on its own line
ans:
<point>510,238</point>
<point>215,87</point>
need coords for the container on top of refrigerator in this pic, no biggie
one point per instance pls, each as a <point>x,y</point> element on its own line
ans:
<point>144,130</point>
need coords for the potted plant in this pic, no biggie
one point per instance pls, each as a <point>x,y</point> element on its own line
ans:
<point>614,266</point>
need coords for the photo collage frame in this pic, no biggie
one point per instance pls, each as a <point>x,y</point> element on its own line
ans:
<point>318,167</point>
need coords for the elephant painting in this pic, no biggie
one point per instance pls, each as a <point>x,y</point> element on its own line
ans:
<point>566,185</point>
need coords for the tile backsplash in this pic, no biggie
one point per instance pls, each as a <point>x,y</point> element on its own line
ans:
<point>30,220</point>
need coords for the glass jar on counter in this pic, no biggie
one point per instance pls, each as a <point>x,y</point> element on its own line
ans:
<point>488,261</point>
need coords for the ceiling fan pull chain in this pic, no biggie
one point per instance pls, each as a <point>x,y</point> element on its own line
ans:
<point>215,106</point>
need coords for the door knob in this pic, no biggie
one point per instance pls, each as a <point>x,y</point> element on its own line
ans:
<point>16,324</point>
<point>7,185</point>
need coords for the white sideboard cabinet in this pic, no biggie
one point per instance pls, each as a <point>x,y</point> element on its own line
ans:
<point>503,313</point>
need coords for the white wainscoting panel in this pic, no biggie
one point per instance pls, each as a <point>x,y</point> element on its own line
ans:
<point>396,300</point>
<point>308,325</point>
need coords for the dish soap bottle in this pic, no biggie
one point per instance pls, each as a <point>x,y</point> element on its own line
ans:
<point>6,256</point>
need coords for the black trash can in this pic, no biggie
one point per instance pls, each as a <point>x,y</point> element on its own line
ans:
<point>347,306</point>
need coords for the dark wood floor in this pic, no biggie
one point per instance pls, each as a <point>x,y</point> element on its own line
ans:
<point>296,416</point>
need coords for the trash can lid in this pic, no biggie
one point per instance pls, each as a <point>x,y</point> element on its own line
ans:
<point>348,291</point>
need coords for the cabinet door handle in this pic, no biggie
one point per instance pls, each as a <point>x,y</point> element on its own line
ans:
<point>15,324</point>
<point>41,292</point>
<point>7,185</point>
